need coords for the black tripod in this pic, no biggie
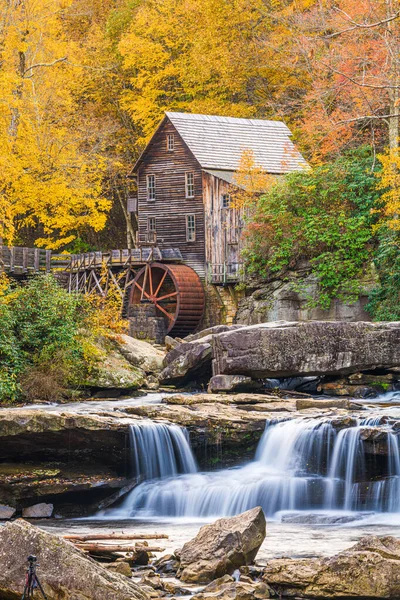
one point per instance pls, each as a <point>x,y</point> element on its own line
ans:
<point>32,582</point>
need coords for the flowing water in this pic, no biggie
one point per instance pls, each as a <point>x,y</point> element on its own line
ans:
<point>300,465</point>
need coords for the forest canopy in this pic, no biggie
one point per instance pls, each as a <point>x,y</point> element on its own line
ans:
<point>84,82</point>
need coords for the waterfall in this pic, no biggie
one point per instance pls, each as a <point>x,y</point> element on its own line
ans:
<point>300,464</point>
<point>160,450</point>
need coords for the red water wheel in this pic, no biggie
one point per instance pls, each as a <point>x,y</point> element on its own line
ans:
<point>177,293</point>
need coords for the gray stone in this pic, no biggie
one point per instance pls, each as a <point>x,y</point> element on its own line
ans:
<point>140,354</point>
<point>187,362</point>
<point>6,512</point>
<point>304,403</point>
<point>233,383</point>
<point>222,547</point>
<point>370,569</point>
<point>314,348</point>
<point>38,511</point>
<point>225,588</point>
<point>65,572</point>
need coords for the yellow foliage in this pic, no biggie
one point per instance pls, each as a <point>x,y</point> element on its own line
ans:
<point>389,181</point>
<point>48,178</point>
<point>251,180</point>
<point>107,309</point>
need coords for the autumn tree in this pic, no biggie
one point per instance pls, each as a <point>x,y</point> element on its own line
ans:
<point>50,174</point>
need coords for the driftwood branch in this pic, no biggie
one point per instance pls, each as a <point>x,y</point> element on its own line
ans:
<point>114,536</point>
<point>118,548</point>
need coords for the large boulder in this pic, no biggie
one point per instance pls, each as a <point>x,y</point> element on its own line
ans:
<point>286,349</point>
<point>65,572</point>
<point>188,362</point>
<point>140,354</point>
<point>222,547</point>
<point>38,511</point>
<point>370,569</point>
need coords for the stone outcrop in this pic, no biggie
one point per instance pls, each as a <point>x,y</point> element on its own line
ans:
<point>188,362</point>
<point>285,349</point>
<point>222,547</point>
<point>226,588</point>
<point>64,571</point>
<point>286,300</point>
<point>370,569</point>
<point>140,354</point>
<point>233,383</point>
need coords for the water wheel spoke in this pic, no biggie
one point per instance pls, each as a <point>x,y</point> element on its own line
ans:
<point>151,281</point>
<point>167,296</point>
<point>170,317</point>
<point>161,282</point>
<point>142,290</point>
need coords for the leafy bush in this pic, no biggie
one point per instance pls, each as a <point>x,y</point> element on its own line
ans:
<point>384,303</point>
<point>324,216</point>
<point>41,339</point>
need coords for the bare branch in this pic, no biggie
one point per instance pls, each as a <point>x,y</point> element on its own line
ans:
<point>360,25</point>
<point>365,85</point>
<point>44,64</point>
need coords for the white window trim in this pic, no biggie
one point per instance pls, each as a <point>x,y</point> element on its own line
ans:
<point>170,147</point>
<point>148,187</point>
<point>187,184</point>
<point>149,219</point>
<point>222,201</point>
<point>187,228</point>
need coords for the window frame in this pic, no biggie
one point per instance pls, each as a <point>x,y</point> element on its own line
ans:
<point>149,188</point>
<point>190,229</point>
<point>225,197</point>
<point>188,185</point>
<point>150,222</point>
<point>170,146</point>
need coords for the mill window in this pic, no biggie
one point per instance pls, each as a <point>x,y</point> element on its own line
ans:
<point>151,187</point>
<point>170,142</point>
<point>225,201</point>
<point>190,228</point>
<point>151,224</point>
<point>189,185</point>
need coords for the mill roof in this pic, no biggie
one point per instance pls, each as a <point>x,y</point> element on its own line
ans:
<point>218,142</point>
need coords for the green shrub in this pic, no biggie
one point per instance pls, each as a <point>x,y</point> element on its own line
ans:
<point>322,215</point>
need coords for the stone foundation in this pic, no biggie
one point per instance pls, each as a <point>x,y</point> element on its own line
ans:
<point>144,324</point>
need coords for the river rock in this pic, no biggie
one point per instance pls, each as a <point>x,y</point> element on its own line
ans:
<point>140,354</point>
<point>6,512</point>
<point>222,547</point>
<point>286,349</point>
<point>370,569</point>
<point>226,588</point>
<point>38,511</point>
<point>232,383</point>
<point>65,572</point>
<point>304,403</point>
<point>188,361</point>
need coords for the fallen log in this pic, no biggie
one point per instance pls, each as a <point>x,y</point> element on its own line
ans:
<point>118,548</point>
<point>90,537</point>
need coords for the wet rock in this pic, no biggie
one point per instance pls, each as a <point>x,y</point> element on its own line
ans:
<point>286,349</point>
<point>6,512</point>
<point>226,588</point>
<point>231,383</point>
<point>140,354</point>
<point>38,511</point>
<point>167,564</point>
<point>65,572</point>
<point>370,569</point>
<point>304,403</point>
<point>123,568</point>
<point>222,547</point>
<point>217,329</point>
<point>304,518</point>
<point>188,361</point>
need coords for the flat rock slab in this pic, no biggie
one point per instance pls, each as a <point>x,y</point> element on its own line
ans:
<point>290,349</point>
<point>222,547</point>
<point>65,572</point>
<point>370,569</point>
<point>38,511</point>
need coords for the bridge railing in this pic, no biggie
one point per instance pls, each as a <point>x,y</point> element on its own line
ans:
<point>24,260</point>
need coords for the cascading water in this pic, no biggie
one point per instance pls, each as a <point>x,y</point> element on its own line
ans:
<point>300,464</point>
<point>160,450</point>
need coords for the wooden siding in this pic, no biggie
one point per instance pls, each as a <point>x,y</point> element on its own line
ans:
<point>171,206</point>
<point>223,228</point>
